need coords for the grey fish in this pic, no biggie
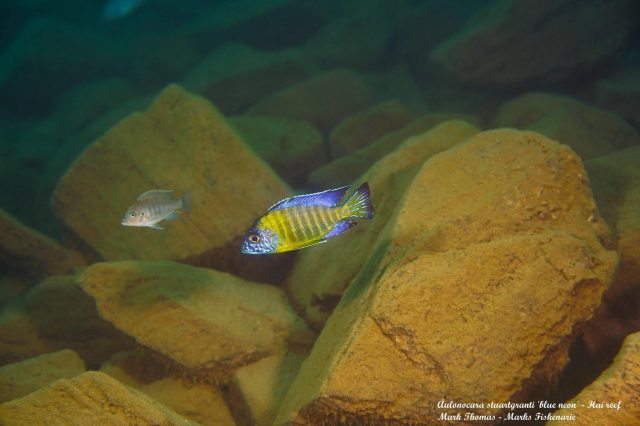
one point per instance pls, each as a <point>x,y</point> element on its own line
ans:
<point>154,206</point>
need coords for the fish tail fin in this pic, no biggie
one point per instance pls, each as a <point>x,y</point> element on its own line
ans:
<point>186,202</point>
<point>359,205</point>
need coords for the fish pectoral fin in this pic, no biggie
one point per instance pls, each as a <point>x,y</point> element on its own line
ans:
<point>313,243</point>
<point>156,226</point>
<point>172,216</point>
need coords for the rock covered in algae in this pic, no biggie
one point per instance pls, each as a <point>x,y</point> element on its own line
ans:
<point>612,399</point>
<point>202,322</point>
<point>449,305</point>
<point>353,165</point>
<point>291,147</point>
<point>90,398</point>
<point>321,274</point>
<point>30,252</point>
<point>257,390</point>
<point>322,100</point>
<point>589,130</point>
<point>182,143</point>
<point>24,377</point>
<point>489,48</point>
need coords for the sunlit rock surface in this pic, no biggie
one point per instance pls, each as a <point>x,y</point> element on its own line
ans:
<point>24,377</point>
<point>202,323</point>
<point>449,305</point>
<point>90,398</point>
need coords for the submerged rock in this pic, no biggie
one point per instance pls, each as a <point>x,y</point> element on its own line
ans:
<point>364,127</point>
<point>65,317</point>
<point>351,166</point>
<point>202,323</point>
<point>90,398</point>
<point>24,377</point>
<point>257,390</point>
<point>621,93</point>
<point>449,304</point>
<point>182,143</point>
<point>613,398</point>
<point>615,179</point>
<point>235,76</point>
<point>27,251</point>
<point>322,100</point>
<point>514,42</point>
<point>322,273</point>
<point>291,147</point>
<point>196,401</point>
<point>19,338</point>
<point>590,131</point>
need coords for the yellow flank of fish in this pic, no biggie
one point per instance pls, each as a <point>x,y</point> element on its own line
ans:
<point>301,226</point>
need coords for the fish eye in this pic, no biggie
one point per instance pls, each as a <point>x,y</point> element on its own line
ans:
<point>254,238</point>
<point>133,214</point>
<point>141,213</point>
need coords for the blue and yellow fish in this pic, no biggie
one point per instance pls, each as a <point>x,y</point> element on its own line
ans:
<point>305,220</point>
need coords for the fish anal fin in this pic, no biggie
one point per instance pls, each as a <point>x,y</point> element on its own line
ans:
<point>340,227</point>
<point>156,226</point>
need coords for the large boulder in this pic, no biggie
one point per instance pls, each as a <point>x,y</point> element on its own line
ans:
<point>24,377</point>
<point>291,147</point>
<point>322,100</point>
<point>589,130</point>
<point>90,398</point>
<point>450,304</point>
<point>515,42</point>
<point>183,143</point>
<point>322,273</point>
<point>27,251</point>
<point>612,399</point>
<point>235,76</point>
<point>176,311</point>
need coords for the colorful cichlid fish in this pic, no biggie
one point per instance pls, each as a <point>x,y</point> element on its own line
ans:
<point>305,220</point>
<point>154,206</point>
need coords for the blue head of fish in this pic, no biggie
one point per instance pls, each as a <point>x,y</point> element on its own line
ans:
<point>259,241</point>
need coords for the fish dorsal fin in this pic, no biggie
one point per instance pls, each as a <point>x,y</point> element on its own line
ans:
<point>156,193</point>
<point>328,198</point>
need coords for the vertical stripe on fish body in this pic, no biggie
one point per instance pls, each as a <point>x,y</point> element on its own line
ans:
<point>310,219</point>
